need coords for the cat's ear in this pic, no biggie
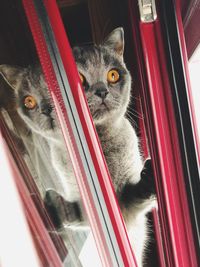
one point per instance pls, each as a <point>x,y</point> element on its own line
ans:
<point>10,74</point>
<point>115,41</point>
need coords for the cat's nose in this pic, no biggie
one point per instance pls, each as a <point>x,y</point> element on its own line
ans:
<point>102,92</point>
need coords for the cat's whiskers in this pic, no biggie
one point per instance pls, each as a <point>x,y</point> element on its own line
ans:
<point>138,98</point>
<point>135,113</point>
<point>132,121</point>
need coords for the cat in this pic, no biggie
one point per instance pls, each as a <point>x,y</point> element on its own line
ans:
<point>107,85</point>
<point>41,121</point>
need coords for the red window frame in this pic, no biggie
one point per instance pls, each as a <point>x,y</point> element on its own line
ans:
<point>179,238</point>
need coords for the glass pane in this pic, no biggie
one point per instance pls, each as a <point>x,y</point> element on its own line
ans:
<point>28,111</point>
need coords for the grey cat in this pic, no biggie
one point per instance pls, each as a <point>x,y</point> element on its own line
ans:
<point>107,85</point>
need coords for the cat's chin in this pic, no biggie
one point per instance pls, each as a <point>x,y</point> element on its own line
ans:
<point>100,116</point>
<point>105,115</point>
<point>104,118</point>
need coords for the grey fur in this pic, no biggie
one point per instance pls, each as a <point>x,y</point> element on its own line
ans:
<point>117,136</point>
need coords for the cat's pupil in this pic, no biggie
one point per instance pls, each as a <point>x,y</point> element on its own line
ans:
<point>113,76</point>
<point>30,102</point>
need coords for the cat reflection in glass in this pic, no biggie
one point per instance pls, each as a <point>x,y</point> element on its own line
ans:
<point>107,85</point>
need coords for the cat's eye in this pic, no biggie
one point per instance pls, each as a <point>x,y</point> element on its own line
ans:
<point>113,76</point>
<point>30,102</point>
<point>82,78</point>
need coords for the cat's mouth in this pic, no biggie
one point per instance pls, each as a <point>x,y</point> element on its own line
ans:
<point>101,110</point>
<point>103,105</point>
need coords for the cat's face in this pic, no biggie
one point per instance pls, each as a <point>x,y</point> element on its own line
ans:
<point>33,102</point>
<point>104,77</point>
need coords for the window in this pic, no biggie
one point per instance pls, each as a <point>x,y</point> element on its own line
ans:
<point>50,137</point>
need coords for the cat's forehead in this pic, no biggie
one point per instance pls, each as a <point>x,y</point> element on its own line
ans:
<point>95,56</point>
<point>33,83</point>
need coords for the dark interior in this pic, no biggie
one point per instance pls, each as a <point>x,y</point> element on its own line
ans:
<point>85,21</point>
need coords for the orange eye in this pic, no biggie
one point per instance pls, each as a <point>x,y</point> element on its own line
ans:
<point>82,78</point>
<point>30,102</point>
<point>113,76</point>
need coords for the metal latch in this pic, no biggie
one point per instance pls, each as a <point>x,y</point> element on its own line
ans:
<point>147,10</point>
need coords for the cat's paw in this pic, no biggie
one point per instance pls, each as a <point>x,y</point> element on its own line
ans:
<point>143,190</point>
<point>62,213</point>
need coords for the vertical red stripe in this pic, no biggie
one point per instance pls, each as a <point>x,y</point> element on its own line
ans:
<point>185,59</point>
<point>90,134</point>
<point>182,252</point>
